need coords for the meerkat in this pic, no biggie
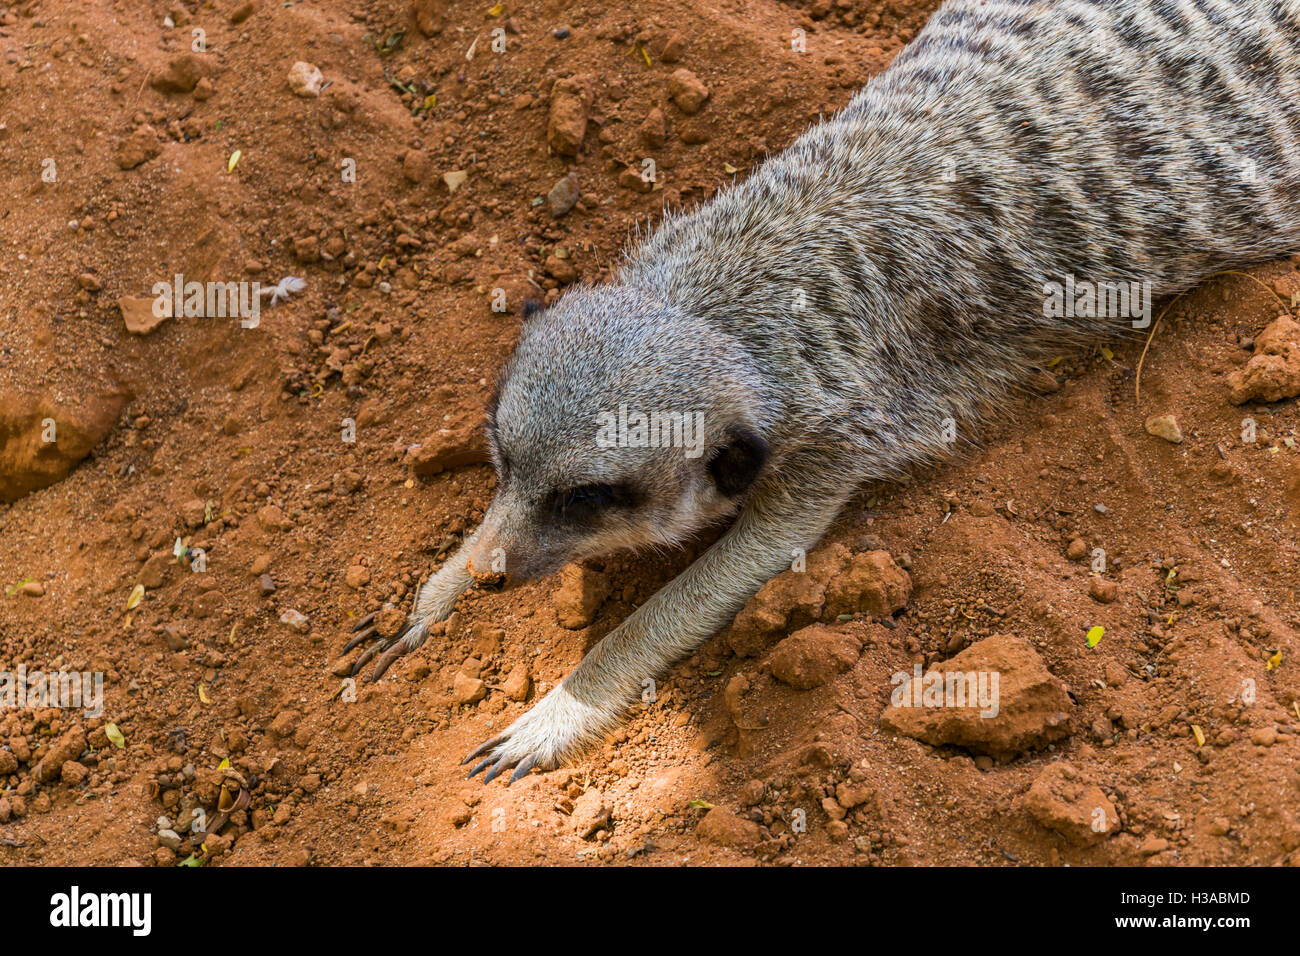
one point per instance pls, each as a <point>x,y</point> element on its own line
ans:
<point>883,277</point>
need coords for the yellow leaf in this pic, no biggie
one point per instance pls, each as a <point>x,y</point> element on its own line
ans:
<point>203,694</point>
<point>114,736</point>
<point>1107,352</point>
<point>647,57</point>
<point>235,157</point>
<point>1199,734</point>
<point>431,101</point>
<point>225,764</point>
<point>728,168</point>
<point>1055,362</point>
<point>1095,634</point>
<point>497,10</point>
<point>1275,661</point>
<point>137,595</point>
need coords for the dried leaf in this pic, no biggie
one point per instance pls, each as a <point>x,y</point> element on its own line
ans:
<point>114,736</point>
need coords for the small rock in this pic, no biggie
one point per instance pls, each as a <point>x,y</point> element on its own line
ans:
<point>357,577</point>
<point>1077,550</point>
<point>579,596</point>
<point>723,828</point>
<point>1102,590</point>
<point>68,747</point>
<point>430,15</point>
<point>1061,800</point>
<point>654,129</point>
<point>468,690</point>
<point>813,656</point>
<point>138,148</point>
<point>1166,427</point>
<point>417,166</point>
<point>181,75</point>
<point>563,195</point>
<point>305,79</point>
<point>571,100</point>
<point>590,813</point>
<point>687,91</point>
<point>1032,707</point>
<point>295,620</point>
<point>518,684</point>
<point>452,447</point>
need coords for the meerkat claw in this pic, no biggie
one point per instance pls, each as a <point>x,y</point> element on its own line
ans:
<point>361,636</point>
<point>482,748</point>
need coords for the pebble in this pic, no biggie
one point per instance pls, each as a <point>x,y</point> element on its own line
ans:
<point>305,79</point>
<point>563,196</point>
<point>687,91</point>
<point>1166,427</point>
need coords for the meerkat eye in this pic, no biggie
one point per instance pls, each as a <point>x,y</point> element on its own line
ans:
<point>589,500</point>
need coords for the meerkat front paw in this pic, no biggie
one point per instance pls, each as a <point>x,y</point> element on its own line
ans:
<point>555,731</point>
<point>398,645</point>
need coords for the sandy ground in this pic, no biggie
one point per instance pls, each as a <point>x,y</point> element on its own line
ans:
<point>324,462</point>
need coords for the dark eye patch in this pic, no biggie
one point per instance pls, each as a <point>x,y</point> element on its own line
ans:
<point>587,501</point>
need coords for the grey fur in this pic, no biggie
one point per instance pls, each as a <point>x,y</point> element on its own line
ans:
<point>882,277</point>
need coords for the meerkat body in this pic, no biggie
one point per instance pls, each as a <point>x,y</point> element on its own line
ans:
<point>882,278</point>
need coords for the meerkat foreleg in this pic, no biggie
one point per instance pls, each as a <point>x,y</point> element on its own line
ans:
<point>779,521</point>
<point>434,602</point>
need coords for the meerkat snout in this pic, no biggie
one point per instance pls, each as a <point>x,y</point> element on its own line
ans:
<point>599,446</point>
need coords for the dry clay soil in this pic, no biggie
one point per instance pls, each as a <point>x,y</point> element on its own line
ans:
<point>417,183</point>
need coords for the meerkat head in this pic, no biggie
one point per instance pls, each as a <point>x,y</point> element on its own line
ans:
<point>619,422</point>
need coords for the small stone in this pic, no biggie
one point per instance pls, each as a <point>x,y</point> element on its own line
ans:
<point>591,812</point>
<point>518,684</point>
<point>32,589</point>
<point>687,91</point>
<point>417,166</point>
<point>305,79</point>
<point>181,75</point>
<point>1062,800</point>
<point>138,148</point>
<point>571,100</point>
<point>723,828</point>
<point>579,596</point>
<point>654,129</point>
<point>295,620</point>
<point>1166,427</point>
<point>357,577</point>
<point>1103,591</point>
<point>468,690</point>
<point>563,196</point>
<point>1077,550</point>
<point>1153,845</point>
<point>813,656</point>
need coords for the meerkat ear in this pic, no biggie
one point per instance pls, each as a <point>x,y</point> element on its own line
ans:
<point>736,465</point>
